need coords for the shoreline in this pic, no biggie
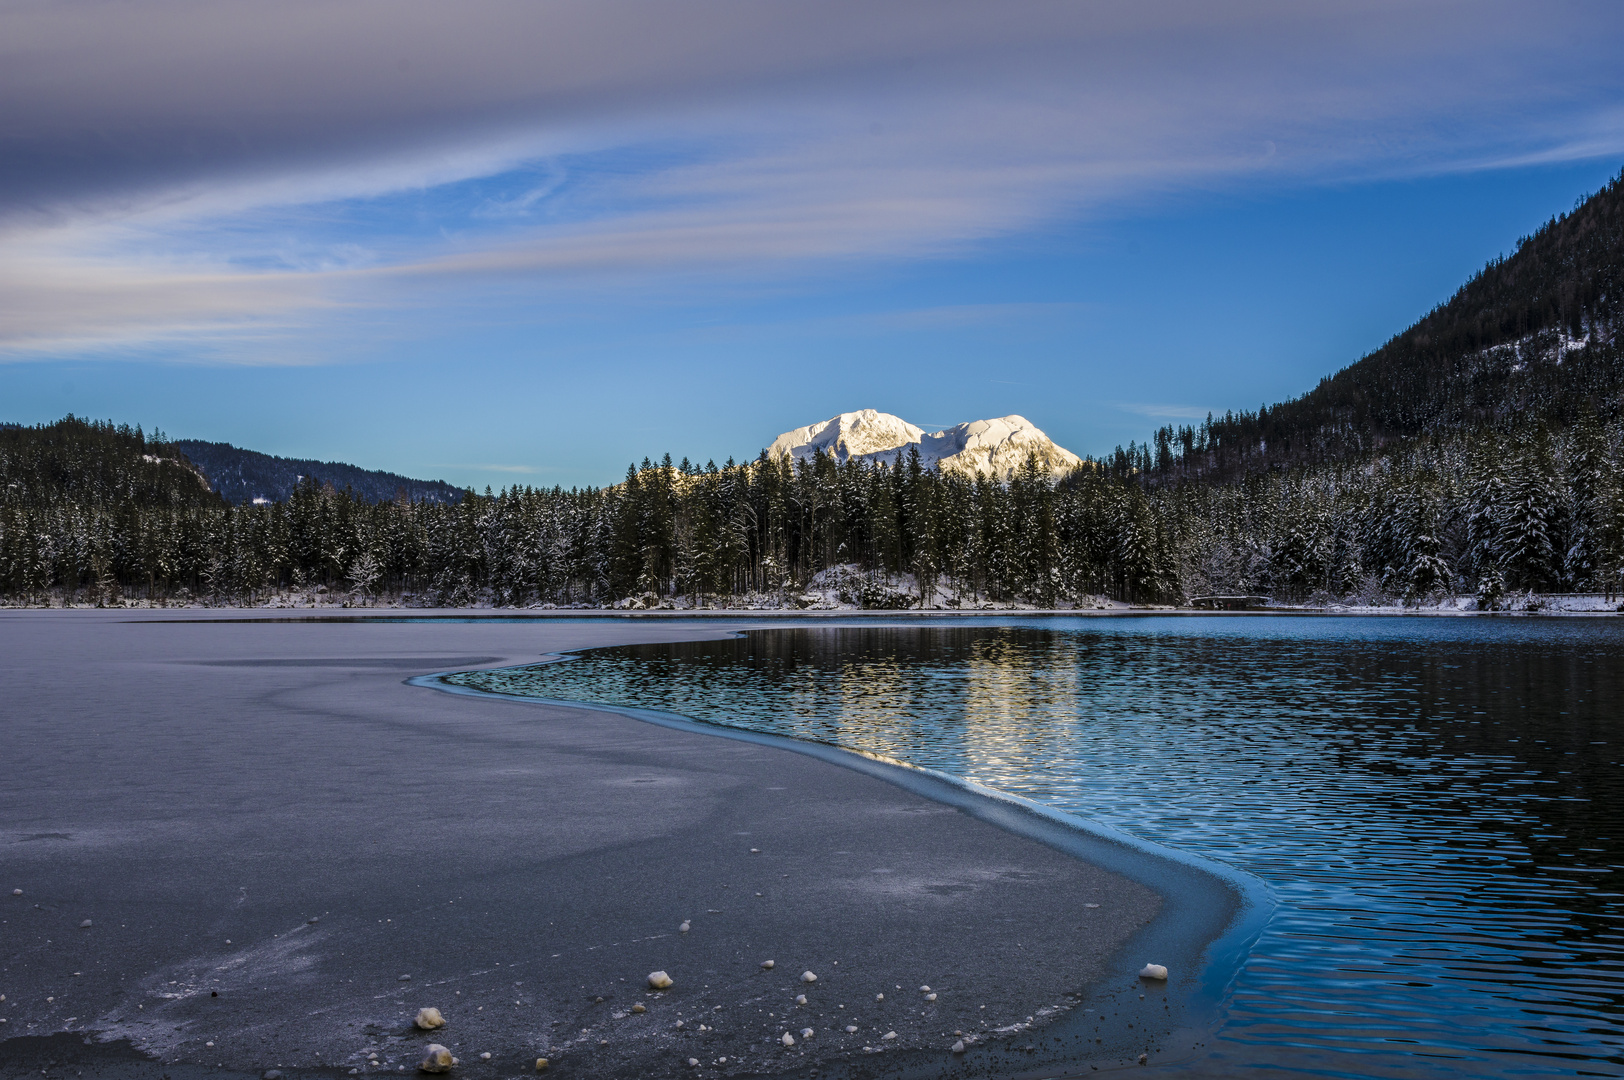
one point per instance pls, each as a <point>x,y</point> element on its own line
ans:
<point>1187,926</point>
<point>336,614</point>
<point>229,756</point>
<point>341,605</point>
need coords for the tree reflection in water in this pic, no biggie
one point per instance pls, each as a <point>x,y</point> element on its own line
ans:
<point>1437,803</point>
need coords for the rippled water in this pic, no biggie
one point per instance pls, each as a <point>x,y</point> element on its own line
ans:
<point>1436,803</point>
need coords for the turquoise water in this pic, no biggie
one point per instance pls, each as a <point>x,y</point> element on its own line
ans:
<point>1436,804</point>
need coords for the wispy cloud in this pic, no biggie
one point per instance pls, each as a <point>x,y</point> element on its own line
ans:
<point>955,315</point>
<point>1167,412</point>
<point>526,469</point>
<point>261,170</point>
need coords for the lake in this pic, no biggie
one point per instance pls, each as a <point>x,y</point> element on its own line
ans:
<point>1434,804</point>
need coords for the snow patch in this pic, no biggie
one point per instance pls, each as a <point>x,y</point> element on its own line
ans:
<point>1544,346</point>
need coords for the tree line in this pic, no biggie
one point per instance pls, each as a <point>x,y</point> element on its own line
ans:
<point>764,529</point>
<point>102,514</point>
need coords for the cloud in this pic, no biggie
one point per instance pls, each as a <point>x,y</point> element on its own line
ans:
<point>186,170</point>
<point>1168,412</point>
<point>961,315</point>
<point>497,468</point>
<point>54,303</point>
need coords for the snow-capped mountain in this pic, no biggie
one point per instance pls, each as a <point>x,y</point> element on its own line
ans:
<point>996,448</point>
<point>861,434</point>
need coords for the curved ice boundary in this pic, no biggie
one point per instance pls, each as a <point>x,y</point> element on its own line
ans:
<point>1212,913</point>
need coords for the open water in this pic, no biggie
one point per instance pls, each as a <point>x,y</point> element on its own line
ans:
<point>1436,804</point>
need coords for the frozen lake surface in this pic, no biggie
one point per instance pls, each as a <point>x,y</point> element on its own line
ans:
<point>1436,804</point>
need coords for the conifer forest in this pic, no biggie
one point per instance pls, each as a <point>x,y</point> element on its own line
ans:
<point>1478,452</point>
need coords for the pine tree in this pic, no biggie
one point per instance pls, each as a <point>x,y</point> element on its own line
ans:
<point>1529,517</point>
<point>1592,488</point>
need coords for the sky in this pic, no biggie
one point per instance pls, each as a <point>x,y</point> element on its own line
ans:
<point>531,242</point>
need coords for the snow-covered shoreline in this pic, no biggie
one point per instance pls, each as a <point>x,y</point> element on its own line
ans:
<point>814,605</point>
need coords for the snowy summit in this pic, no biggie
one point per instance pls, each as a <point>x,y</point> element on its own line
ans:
<point>996,448</point>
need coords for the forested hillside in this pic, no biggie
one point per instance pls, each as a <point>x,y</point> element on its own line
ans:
<point>1531,338</point>
<point>1479,452</point>
<point>1490,514</point>
<point>242,476</point>
<point>90,463</point>
<point>708,535</point>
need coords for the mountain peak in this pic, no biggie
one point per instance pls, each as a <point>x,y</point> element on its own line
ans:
<point>997,447</point>
<point>863,434</point>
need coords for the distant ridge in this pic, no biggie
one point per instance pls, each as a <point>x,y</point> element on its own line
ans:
<point>242,476</point>
<point>997,448</point>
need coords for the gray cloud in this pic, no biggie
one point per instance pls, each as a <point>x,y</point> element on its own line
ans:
<point>103,100</point>
<point>141,145</point>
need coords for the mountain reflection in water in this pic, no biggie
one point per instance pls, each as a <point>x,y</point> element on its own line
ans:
<point>1436,803</point>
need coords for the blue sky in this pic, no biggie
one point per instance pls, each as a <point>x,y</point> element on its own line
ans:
<point>532,243</point>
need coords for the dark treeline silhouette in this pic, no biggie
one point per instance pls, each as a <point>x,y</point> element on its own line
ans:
<point>245,475</point>
<point>98,514</point>
<point>75,461</point>
<point>765,528</point>
<point>1489,512</point>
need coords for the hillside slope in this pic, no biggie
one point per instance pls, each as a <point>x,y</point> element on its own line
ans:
<point>241,476</point>
<point>1531,337</point>
<point>93,463</point>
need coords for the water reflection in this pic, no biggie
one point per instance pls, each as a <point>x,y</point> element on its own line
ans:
<point>1436,803</point>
